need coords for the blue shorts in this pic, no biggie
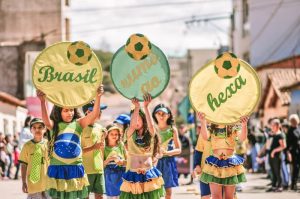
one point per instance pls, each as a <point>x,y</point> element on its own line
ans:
<point>204,189</point>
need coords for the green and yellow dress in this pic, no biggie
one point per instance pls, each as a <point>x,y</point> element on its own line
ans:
<point>113,172</point>
<point>223,169</point>
<point>143,181</point>
<point>67,178</point>
<point>167,164</point>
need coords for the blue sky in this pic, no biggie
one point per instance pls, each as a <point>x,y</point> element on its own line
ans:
<point>107,24</point>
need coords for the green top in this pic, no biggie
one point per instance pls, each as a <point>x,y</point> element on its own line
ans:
<point>166,136</point>
<point>118,150</point>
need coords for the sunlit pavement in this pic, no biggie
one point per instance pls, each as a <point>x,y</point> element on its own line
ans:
<point>254,188</point>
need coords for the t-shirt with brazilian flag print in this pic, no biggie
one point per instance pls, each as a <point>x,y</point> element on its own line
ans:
<point>27,156</point>
<point>92,160</point>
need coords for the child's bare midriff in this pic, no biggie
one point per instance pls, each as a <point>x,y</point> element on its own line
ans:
<point>140,161</point>
<point>223,153</point>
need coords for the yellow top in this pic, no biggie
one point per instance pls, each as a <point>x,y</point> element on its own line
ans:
<point>138,156</point>
<point>203,146</point>
<point>223,142</point>
<point>90,135</point>
<point>26,158</point>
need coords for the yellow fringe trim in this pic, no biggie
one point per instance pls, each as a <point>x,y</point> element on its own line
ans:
<point>74,184</point>
<point>141,187</point>
<point>223,172</point>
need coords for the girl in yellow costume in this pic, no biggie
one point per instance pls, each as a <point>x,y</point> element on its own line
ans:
<point>141,180</point>
<point>223,169</point>
<point>67,178</point>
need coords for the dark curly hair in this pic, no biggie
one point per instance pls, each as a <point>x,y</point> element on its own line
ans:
<point>147,136</point>
<point>55,116</point>
<point>170,120</point>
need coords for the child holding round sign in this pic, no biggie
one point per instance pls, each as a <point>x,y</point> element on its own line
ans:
<point>114,161</point>
<point>93,144</point>
<point>142,180</point>
<point>170,146</point>
<point>67,178</point>
<point>223,169</point>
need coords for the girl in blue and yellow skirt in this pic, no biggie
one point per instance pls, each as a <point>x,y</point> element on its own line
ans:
<point>66,175</point>
<point>223,169</point>
<point>142,180</point>
<point>114,161</point>
<point>170,146</point>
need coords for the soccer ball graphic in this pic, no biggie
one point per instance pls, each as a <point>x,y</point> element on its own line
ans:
<point>79,53</point>
<point>227,65</point>
<point>138,46</point>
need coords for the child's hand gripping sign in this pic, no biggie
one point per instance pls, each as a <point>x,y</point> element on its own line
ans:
<point>68,73</point>
<point>225,89</point>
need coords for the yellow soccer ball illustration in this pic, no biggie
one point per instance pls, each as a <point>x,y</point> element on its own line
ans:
<point>227,65</point>
<point>79,53</point>
<point>138,46</point>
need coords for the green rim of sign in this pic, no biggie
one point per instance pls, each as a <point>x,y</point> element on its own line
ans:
<point>249,68</point>
<point>162,58</point>
<point>49,99</point>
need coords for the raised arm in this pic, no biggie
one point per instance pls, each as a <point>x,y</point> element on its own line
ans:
<point>45,114</point>
<point>243,135</point>
<point>90,118</point>
<point>134,118</point>
<point>204,132</point>
<point>147,100</point>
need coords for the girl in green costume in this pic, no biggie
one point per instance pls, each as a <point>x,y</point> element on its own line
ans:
<point>67,179</point>
<point>223,170</point>
<point>142,180</point>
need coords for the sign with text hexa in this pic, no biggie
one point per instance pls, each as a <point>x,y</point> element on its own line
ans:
<point>225,89</point>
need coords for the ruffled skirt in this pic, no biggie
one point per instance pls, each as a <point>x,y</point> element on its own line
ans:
<point>228,171</point>
<point>113,179</point>
<point>67,182</point>
<point>167,166</point>
<point>147,185</point>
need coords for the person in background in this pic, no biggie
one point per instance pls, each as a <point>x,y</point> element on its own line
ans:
<point>170,147</point>
<point>25,134</point>
<point>114,161</point>
<point>92,142</point>
<point>202,151</point>
<point>122,121</point>
<point>293,147</point>
<point>9,153</point>
<point>286,159</point>
<point>277,146</point>
<point>34,162</point>
<point>16,155</point>
<point>3,159</point>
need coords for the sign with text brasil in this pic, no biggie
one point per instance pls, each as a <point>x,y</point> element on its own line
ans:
<point>68,73</point>
<point>139,67</point>
<point>225,89</point>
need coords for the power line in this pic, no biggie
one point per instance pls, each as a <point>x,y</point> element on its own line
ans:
<point>148,23</point>
<point>290,32</point>
<point>267,22</point>
<point>145,5</point>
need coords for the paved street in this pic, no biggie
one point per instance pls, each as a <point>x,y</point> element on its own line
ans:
<point>254,188</point>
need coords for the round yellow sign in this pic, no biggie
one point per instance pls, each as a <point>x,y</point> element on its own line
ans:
<point>68,73</point>
<point>225,89</point>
